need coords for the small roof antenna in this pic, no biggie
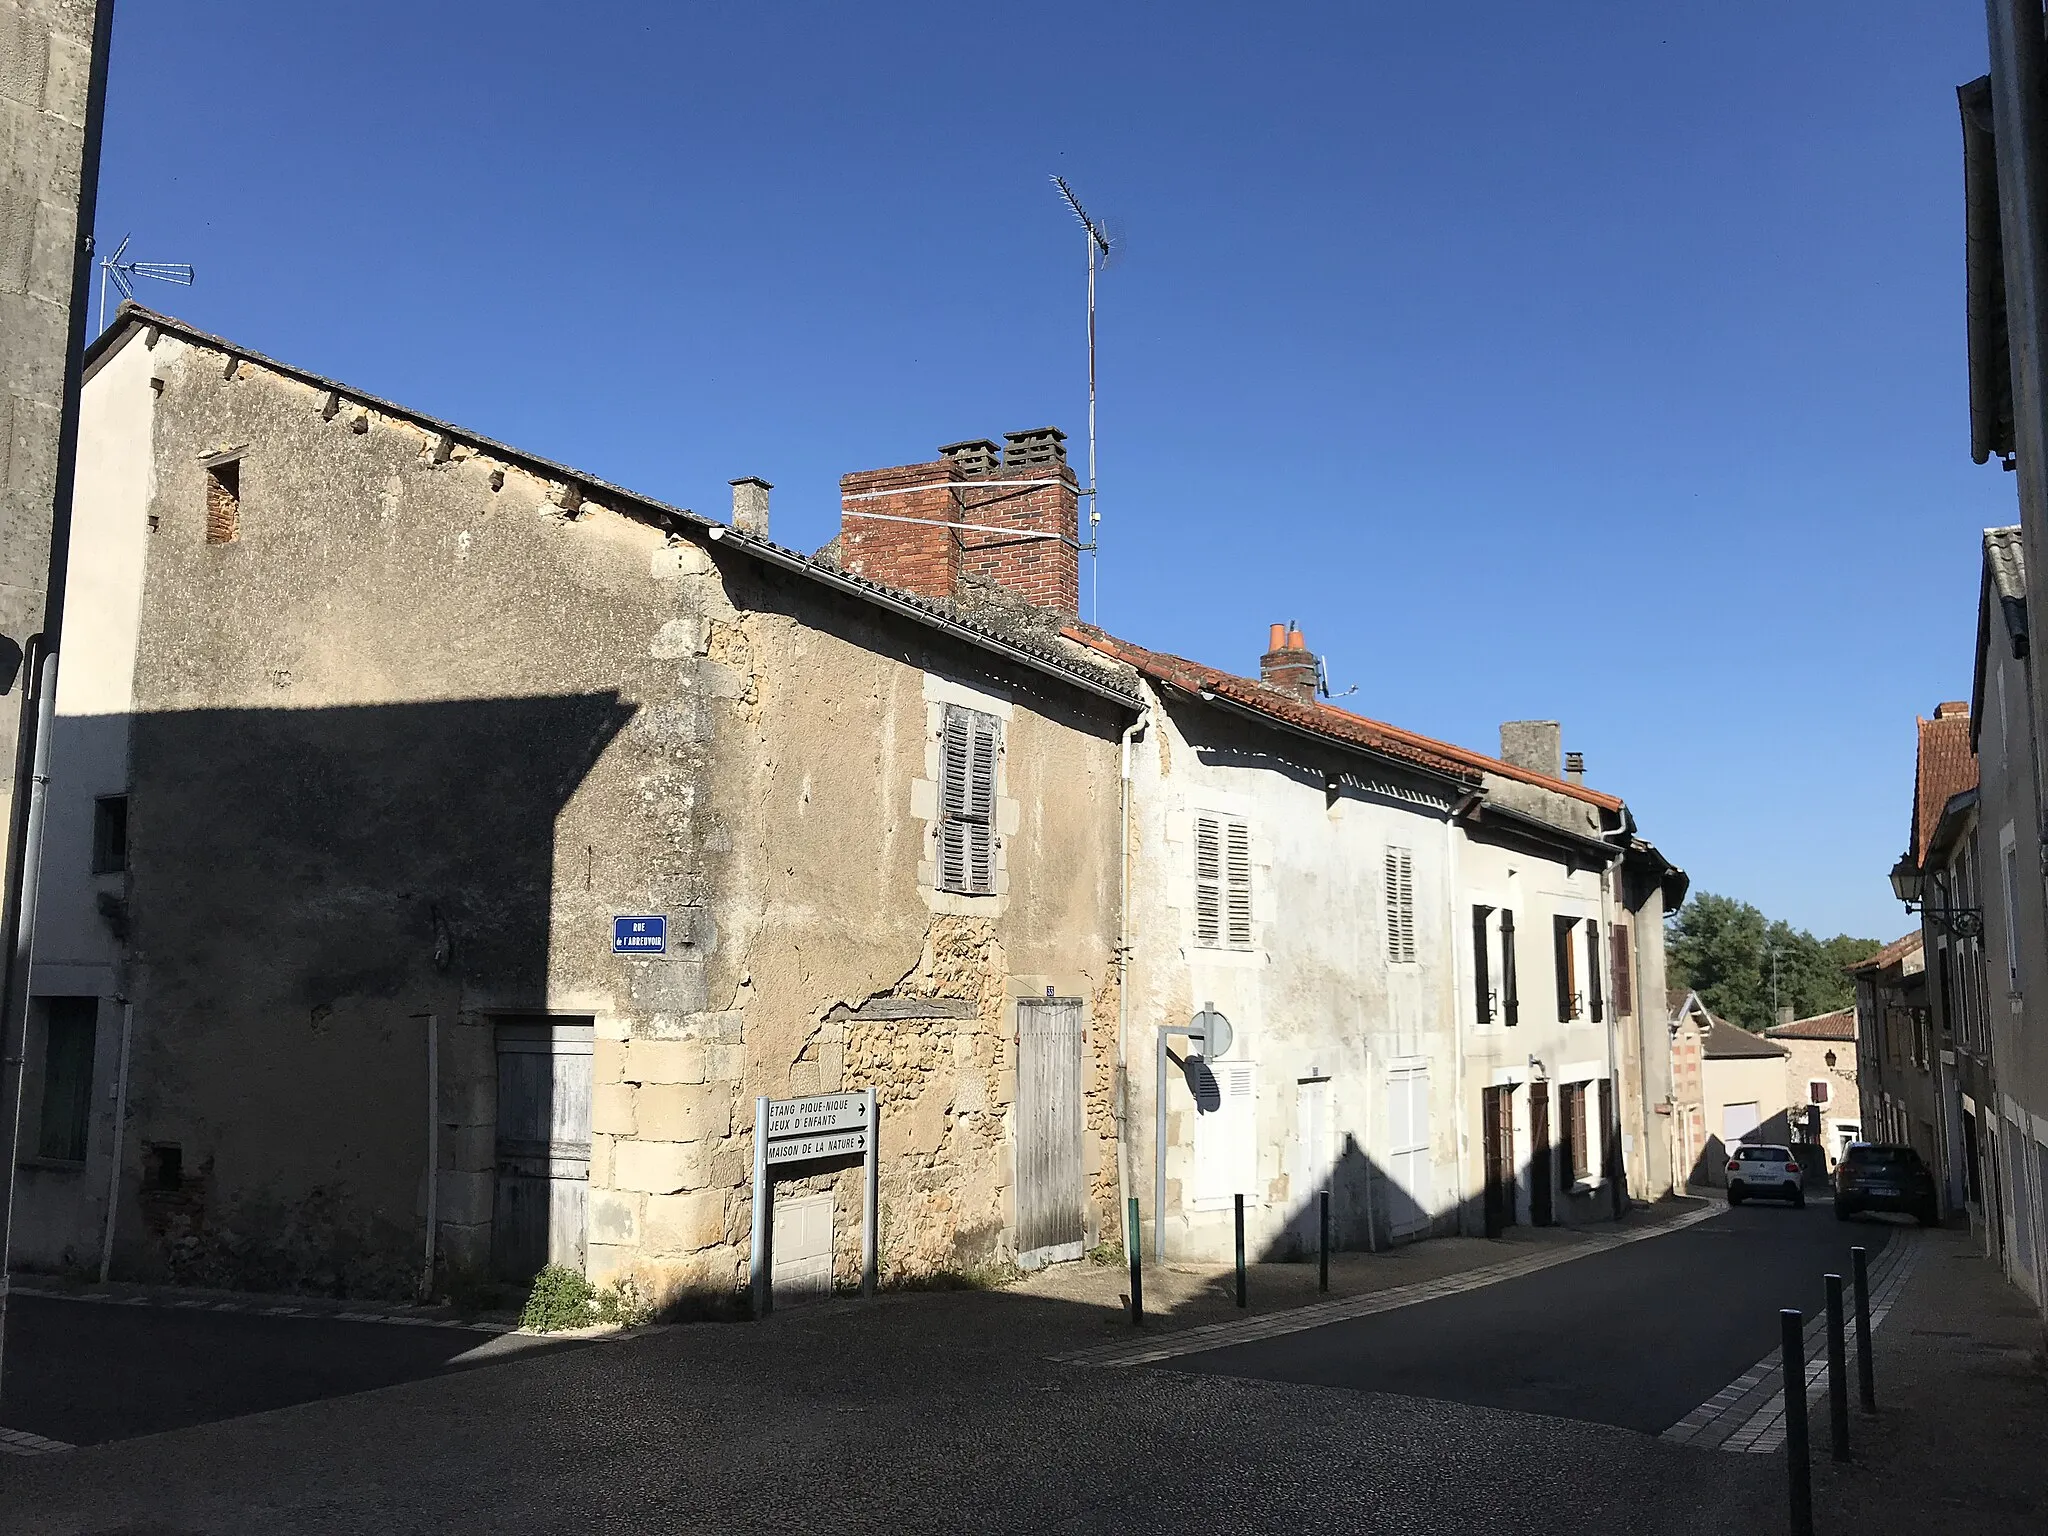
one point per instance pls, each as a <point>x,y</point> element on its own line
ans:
<point>122,274</point>
<point>1100,249</point>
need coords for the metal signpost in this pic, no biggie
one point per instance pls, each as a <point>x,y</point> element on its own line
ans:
<point>795,1131</point>
<point>1209,1032</point>
<point>646,935</point>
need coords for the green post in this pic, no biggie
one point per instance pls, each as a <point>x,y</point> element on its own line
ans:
<point>1136,1249</point>
<point>1238,1201</point>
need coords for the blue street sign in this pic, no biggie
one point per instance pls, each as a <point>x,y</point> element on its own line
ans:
<point>639,935</point>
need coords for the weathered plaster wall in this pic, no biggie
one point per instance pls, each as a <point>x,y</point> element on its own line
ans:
<point>405,745</point>
<point>1537,885</point>
<point>82,914</point>
<point>1314,1000</point>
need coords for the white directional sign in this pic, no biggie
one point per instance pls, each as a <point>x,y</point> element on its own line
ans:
<point>809,1117</point>
<point>796,1149</point>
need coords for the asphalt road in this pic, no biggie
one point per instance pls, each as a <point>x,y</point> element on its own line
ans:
<point>85,1372</point>
<point>1636,1337</point>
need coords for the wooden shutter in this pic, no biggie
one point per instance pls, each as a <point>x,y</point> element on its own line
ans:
<point>1593,986</point>
<point>1510,984</point>
<point>1237,878</point>
<point>1208,882</point>
<point>1624,970</point>
<point>1482,980</point>
<point>1565,961</point>
<point>971,742</point>
<point>1400,906</point>
<point>1571,1103</point>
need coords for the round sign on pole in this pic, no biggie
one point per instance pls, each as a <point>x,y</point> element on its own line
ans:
<point>1214,1031</point>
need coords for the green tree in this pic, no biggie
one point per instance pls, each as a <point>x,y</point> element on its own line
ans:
<point>1724,950</point>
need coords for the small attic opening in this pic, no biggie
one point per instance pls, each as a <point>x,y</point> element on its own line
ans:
<point>224,501</point>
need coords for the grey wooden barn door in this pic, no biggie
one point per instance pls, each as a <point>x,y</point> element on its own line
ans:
<point>1051,1186</point>
<point>543,1151</point>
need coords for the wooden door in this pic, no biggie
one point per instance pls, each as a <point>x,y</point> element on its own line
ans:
<point>1542,1167</point>
<point>1497,1111</point>
<point>1051,1186</point>
<point>1611,1161</point>
<point>543,1146</point>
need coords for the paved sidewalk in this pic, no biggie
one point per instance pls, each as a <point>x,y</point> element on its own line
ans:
<point>1962,1422</point>
<point>1181,1295</point>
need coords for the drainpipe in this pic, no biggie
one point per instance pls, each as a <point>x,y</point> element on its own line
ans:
<point>1123,974</point>
<point>120,1118</point>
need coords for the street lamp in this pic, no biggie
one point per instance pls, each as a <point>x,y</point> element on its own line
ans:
<point>1909,884</point>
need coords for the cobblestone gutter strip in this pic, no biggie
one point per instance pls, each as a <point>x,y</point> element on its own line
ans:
<point>1748,1415</point>
<point>262,1306</point>
<point>19,1442</point>
<point>1301,1319</point>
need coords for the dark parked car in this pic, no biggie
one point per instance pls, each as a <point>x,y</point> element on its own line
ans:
<point>1874,1176</point>
<point>1766,1173</point>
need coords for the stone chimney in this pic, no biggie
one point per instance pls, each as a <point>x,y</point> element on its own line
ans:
<point>1022,539</point>
<point>1575,767</point>
<point>1537,745</point>
<point>750,505</point>
<point>1955,709</point>
<point>1288,663</point>
<point>1785,1013</point>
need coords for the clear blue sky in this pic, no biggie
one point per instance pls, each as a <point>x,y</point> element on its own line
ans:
<point>1563,361</point>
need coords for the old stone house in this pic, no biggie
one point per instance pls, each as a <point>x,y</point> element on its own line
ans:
<point>1820,1079</point>
<point>370,729</point>
<point>1731,1088</point>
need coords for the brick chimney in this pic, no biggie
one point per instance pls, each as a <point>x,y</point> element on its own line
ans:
<point>1955,709</point>
<point>1537,745</point>
<point>1289,663</point>
<point>1022,538</point>
<point>750,505</point>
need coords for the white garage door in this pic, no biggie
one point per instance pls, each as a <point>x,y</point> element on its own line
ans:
<point>1737,1121</point>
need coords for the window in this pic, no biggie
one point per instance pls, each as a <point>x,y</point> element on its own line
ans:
<point>1624,970</point>
<point>1816,1091</point>
<point>1510,992</point>
<point>1400,906</point>
<point>224,501</point>
<point>110,834</point>
<point>1482,978</point>
<point>1223,883</point>
<point>970,744</point>
<point>1571,1146</point>
<point>1566,957</point>
<point>68,1024</point>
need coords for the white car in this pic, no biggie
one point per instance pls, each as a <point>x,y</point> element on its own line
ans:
<point>1770,1173</point>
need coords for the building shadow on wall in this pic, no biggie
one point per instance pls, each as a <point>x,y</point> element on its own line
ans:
<point>304,887</point>
<point>1710,1169</point>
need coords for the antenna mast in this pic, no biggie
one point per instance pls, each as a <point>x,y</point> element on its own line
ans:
<point>1098,254</point>
<point>122,275</point>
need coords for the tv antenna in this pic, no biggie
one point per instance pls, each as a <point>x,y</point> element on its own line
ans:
<point>122,274</point>
<point>1100,248</point>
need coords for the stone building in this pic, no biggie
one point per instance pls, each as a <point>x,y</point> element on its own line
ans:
<point>1820,1079</point>
<point>1730,1089</point>
<point>373,729</point>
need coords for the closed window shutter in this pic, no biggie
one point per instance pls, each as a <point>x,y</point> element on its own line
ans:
<point>1400,906</point>
<point>1624,970</point>
<point>1593,970</point>
<point>971,743</point>
<point>1482,981</point>
<point>1237,874</point>
<point>1566,962</point>
<point>1208,882</point>
<point>1510,980</point>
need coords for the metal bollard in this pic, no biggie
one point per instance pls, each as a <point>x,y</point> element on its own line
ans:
<point>1792,1372</point>
<point>1838,1373</point>
<point>1866,1374</point>
<point>1238,1200</point>
<point>1136,1252</point>
<point>1323,1241</point>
